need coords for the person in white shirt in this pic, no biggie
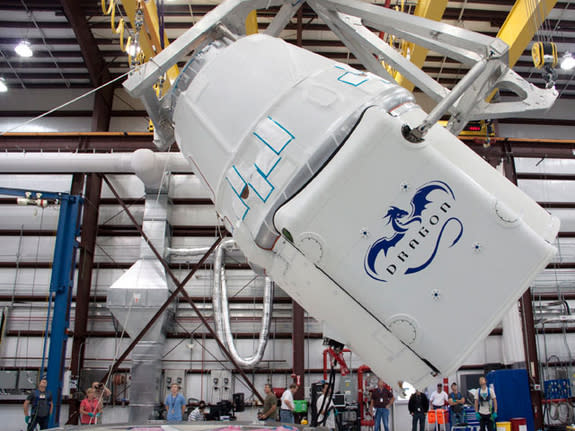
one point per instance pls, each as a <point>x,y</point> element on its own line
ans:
<point>327,411</point>
<point>485,406</point>
<point>287,407</point>
<point>198,413</point>
<point>438,398</point>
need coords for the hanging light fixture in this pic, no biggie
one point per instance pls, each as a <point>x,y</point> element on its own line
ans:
<point>3,86</point>
<point>567,61</point>
<point>24,49</point>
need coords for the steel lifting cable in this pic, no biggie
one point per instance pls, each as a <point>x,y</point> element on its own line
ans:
<point>533,11</point>
<point>161,23</point>
<point>70,102</point>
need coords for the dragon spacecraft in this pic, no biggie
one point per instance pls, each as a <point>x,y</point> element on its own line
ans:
<point>340,188</point>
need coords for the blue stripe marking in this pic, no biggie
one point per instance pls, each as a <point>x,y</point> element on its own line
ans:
<point>263,174</point>
<point>340,78</point>
<point>265,142</point>
<point>238,193</point>
<point>282,127</point>
<point>241,200</point>
<point>241,178</point>
<point>346,72</point>
<point>264,200</point>
<point>292,137</point>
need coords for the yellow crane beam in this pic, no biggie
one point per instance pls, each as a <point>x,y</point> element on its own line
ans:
<point>522,23</point>
<point>150,33</point>
<point>431,9</point>
<point>252,23</point>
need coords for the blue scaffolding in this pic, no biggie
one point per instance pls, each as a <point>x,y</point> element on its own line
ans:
<point>61,283</point>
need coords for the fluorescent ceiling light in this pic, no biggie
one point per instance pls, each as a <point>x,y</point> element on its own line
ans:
<point>567,62</point>
<point>24,49</point>
<point>3,86</point>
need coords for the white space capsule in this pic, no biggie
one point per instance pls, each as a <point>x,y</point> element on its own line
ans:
<point>409,252</point>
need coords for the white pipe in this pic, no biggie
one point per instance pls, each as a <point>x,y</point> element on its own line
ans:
<point>221,311</point>
<point>250,361</point>
<point>186,251</point>
<point>217,291</point>
<point>146,164</point>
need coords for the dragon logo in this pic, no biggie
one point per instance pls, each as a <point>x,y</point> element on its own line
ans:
<point>411,232</point>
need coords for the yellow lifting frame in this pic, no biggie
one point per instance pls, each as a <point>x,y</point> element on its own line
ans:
<point>431,9</point>
<point>522,23</point>
<point>252,22</point>
<point>150,33</point>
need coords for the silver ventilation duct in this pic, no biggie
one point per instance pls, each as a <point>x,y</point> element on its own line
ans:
<point>134,299</point>
<point>221,311</point>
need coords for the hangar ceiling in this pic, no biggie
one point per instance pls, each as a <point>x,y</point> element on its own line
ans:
<point>58,60</point>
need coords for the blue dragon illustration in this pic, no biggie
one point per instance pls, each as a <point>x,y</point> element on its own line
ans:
<point>400,221</point>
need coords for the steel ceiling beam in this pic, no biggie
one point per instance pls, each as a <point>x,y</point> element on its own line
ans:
<point>81,142</point>
<point>97,67</point>
<point>129,142</point>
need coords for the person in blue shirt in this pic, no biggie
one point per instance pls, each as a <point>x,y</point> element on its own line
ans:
<point>175,404</point>
<point>456,402</point>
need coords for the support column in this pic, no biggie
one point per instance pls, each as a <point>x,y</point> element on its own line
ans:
<point>85,267</point>
<point>532,360</point>
<point>526,303</point>
<point>298,347</point>
<point>103,100</point>
<point>102,113</point>
<point>298,313</point>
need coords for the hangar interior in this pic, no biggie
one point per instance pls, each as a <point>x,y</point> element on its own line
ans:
<point>59,135</point>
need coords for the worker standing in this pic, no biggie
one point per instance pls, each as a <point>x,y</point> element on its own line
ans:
<point>101,393</point>
<point>270,405</point>
<point>456,401</point>
<point>438,398</point>
<point>90,408</point>
<point>485,406</point>
<point>325,408</point>
<point>41,401</point>
<point>287,407</point>
<point>418,406</point>
<point>381,400</point>
<point>175,404</point>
